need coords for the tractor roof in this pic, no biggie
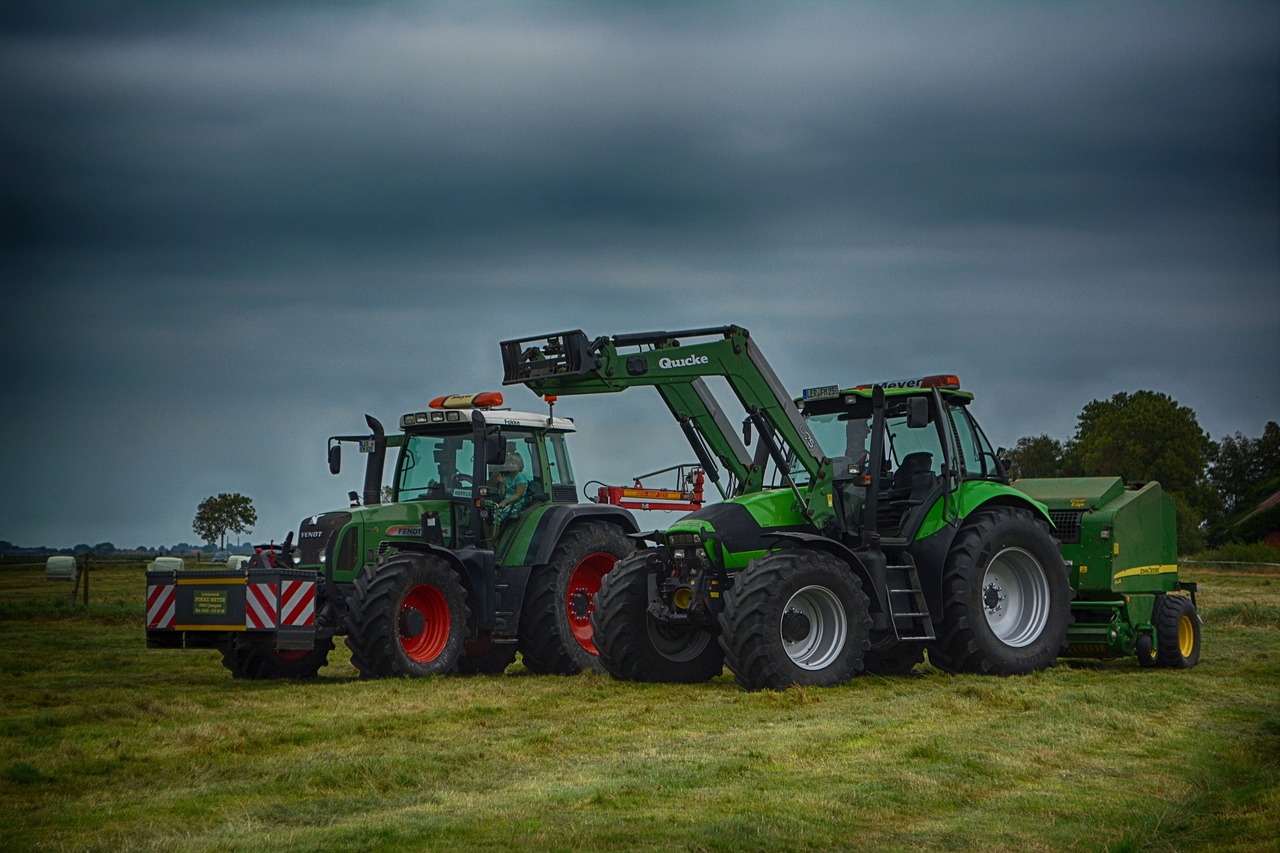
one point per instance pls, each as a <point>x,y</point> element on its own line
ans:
<point>436,418</point>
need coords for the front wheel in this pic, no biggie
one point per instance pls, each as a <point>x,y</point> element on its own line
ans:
<point>634,646</point>
<point>795,617</point>
<point>408,618</point>
<point>1006,599</point>
<point>1177,632</point>
<point>254,662</point>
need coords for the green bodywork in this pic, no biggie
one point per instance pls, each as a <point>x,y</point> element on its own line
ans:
<point>1121,546</point>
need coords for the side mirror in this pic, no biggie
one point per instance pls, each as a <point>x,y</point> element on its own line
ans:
<point>495,449</point>
<point>917,413</point>
<point>335,458</point>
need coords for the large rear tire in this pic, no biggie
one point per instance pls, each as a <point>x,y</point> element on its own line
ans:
<point>254,662</point>
<point>634,646</point>
<point>795,617</point>
<point>1177,632</point>
<point>1006,599</point>
<point>555,633</point>
<point>408,618</point>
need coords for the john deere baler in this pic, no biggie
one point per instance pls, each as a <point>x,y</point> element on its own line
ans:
<point>1120,543</point>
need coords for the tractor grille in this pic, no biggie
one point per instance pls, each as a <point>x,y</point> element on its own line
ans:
<point>1066,524</point>
<point>564,494</point>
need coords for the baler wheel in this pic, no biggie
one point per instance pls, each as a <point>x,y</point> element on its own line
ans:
<point>408,618</point>
<point>636,647</point>
<point>555,633</point>
<point>1177,632</point>
<point>252,662</point>
<point>795,617</point>
<point>1006,597</point>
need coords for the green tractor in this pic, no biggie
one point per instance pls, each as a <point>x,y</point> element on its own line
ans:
<point>866,526</point>
<point>482,550</point>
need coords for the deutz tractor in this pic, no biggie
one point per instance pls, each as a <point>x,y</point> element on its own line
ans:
<point>868,525</point>
<point>455,573</point>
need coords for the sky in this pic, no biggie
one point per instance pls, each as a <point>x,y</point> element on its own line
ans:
<point>227,231</point>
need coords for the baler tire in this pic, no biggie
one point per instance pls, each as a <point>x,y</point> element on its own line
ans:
<point>828,613</point>
<point>255,663</point>
<point>485,657</point>
<point>634,646</point>
<point>553,639</point>
<point>897,661</point>
<point>1146,651</point>
<point>387,593</point>
<point>1003,554</point>
<point>1177,632</point>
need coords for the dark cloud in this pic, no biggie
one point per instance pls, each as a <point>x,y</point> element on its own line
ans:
<point>229,230</point>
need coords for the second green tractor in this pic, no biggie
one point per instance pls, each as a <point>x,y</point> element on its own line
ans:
<point>859,529</point>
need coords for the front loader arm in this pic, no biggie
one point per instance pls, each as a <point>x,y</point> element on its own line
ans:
<point>570,363</point>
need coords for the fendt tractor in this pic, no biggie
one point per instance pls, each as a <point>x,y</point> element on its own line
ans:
<point>867,525</point>
<point>456,572</point>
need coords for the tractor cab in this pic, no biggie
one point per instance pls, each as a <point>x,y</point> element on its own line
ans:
<point>921,447</point>
<point>457,466</point>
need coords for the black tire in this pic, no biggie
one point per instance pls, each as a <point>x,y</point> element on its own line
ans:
<point>1146,651</point>
<point>795,617</point>
<point>1006,597</point>
<point>485,657</point>
<point>1177,632</point>
<point>636,647</point>
<point>897,661</point>
<point>407,618</point>
<point>255,662</point>
<point>555,633</point>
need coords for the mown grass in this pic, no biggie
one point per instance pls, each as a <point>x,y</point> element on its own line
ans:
<point>106,745</point>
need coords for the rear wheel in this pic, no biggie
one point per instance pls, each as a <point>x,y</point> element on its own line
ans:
<point>634,646</point>
<point>1177,632</point>
<point>408,617</point>
<point>555,633</point>
<point>255,662</point>
<point>1006,597</point>
<point>795,617</point>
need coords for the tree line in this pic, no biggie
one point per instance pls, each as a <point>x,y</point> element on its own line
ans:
<point>1146,436</point>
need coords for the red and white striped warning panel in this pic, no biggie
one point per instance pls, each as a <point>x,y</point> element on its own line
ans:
<point>297,604</point>
<point>260,605</point>
<point>162,605</point>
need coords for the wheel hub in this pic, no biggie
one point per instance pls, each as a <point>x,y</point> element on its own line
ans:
<point>412,622</point>
<point>993,598</point>
<point>795,626</point>
<point>580,602</point>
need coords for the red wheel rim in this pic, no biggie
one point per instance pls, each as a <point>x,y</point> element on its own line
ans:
<point>290,655</point>
<point>580,597</point>
<point>431,604</point>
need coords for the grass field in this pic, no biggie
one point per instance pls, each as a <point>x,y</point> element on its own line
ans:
<point>106,745</point>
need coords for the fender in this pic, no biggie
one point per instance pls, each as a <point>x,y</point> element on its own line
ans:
<point>554,521</point>
<point>857,562</point>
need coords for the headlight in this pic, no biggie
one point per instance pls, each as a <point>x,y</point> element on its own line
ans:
<point>678,554</point>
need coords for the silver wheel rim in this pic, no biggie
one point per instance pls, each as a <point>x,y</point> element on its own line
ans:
<point>1015,597</point>
<point>827,626</point>
<point>677,644</point>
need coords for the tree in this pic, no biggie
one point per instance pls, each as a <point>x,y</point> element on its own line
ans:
<point>1148,436</point>
<point>1040,456</point>
<point>1242,463</point>
<point>222,514</point>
